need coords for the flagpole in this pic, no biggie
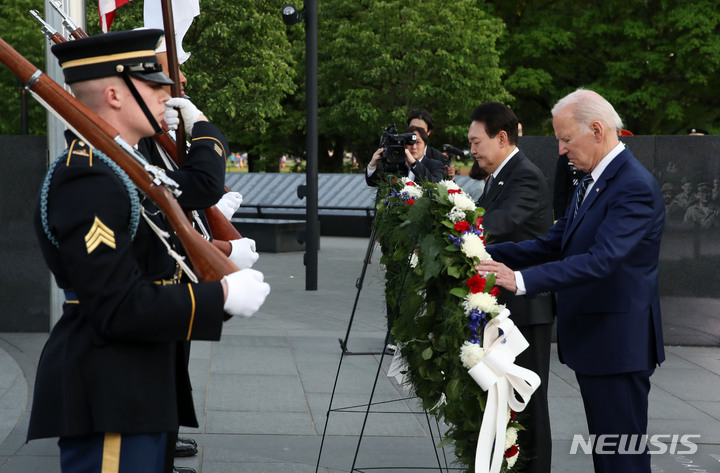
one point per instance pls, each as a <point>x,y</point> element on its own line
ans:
<point>173,72</point>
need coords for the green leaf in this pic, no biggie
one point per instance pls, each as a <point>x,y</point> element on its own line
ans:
<point>454,271</point>
<point>427,353</point>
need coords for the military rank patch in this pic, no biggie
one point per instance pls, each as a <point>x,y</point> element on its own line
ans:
<point>99,233</point>
<point>218,149</point>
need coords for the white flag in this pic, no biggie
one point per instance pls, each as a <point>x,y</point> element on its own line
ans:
<point>183,13</point>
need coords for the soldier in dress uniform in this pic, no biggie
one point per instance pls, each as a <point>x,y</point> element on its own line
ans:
<point>112,380</point>
<point>203,171</point>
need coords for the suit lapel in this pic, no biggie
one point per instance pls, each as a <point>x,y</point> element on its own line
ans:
<point>499,181</point>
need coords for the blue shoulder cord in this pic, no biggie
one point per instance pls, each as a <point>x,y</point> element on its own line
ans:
<point>129,186</point>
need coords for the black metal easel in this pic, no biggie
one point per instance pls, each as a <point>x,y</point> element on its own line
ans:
<point>370,403</point>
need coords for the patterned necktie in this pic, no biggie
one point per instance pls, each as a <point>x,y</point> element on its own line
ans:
<point>582,187</point>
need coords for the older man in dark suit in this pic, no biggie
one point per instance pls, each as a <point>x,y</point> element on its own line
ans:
<point>517,207</point>
<point>601,259</point>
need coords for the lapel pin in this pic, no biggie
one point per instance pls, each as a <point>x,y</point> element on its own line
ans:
<point>501,183</point>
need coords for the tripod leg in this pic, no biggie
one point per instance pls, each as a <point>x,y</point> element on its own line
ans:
<point>359,286</point>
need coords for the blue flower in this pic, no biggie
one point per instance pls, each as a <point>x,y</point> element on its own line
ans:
<point>457,241</point>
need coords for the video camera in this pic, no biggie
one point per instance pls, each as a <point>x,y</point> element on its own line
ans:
<point>393,145</point>
<point>461,154</point>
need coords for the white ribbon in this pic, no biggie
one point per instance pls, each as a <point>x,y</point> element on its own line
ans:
<point>398,367</point>
<point>497,374</point>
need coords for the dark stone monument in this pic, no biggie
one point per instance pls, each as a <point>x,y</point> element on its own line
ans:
<point>688,171</point>
<point>24,278</point>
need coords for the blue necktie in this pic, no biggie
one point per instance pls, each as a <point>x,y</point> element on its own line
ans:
<point>582,187</point>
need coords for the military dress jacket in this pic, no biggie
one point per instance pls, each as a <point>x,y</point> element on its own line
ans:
<point>114,360</point>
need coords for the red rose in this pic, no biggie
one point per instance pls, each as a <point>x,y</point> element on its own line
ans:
<point>462,227</point>
<point>512,451</point>
<point>495,291</point>
<point>454,191</point>
<point>409,183</point>
<point>479,222</point>
<point>476,284</point>
<point>410,201</point>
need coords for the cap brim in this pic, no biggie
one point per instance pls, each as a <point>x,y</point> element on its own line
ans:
<point>158,77</point>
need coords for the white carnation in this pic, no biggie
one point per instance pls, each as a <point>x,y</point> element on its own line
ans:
<point>511,436</point>
<point>471,354</point>
<point>474,247</point>
<point>413,191</point>
<point>462,201</point>
<point>456,215</point>
<point>449,185</point>
<point>483,302</point>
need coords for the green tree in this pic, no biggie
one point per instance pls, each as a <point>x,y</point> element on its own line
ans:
<point>24,35</point>
<point>378,60</point>
<point>657,61</point>
<point>240,70</point>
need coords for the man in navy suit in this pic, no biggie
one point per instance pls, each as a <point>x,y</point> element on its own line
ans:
<point>601,259</point>
<point>517,207</point>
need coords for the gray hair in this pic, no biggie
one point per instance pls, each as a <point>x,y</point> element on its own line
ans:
<point>589,107</point>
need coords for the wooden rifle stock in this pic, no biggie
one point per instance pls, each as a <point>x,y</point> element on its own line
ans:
<point>208,262</point>
<point>220,227</point>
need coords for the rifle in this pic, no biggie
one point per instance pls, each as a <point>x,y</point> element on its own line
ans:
<point>48,30</point>
<point>208,262</point>
<point>69,24</point>
<point>173,72</point>
<point>220,227</point>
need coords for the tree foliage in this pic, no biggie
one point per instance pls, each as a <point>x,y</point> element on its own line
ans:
<point>378,60</point>
<point>656,60</point>
<point>241,64</point>
<point>24,35</point>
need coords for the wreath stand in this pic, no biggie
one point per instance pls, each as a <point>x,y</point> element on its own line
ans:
<point>442,465</point>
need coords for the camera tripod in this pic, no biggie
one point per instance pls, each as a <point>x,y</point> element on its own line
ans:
<point>370,403</point>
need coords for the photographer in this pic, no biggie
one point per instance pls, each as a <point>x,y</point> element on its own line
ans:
<point>415,166</point>
<point>424,120</point>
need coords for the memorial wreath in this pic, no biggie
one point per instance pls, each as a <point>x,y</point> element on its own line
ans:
<point>456,342</point>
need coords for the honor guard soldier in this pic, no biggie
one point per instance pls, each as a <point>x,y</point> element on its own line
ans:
<point>202,178</point>
<point>112,381</point>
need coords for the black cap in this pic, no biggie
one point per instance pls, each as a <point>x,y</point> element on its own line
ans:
<point>112,54</point>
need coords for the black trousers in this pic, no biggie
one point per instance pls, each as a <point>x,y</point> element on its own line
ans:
<point>536,441</point>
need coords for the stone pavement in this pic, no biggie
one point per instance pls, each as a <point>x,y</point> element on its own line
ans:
<point>262,393</point>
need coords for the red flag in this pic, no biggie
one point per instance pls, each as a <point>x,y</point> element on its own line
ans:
<point>107,8</point>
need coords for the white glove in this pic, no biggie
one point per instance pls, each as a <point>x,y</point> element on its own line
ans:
<point>229,203</point>
<point>243,254</point>
<point>171,118</point>
<point>189,112</point>
<point>246,292</point>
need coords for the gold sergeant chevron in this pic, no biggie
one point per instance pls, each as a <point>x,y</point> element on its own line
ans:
<point>99,233</point>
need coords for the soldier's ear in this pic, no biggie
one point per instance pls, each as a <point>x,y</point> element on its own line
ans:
<point>113,96</point>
